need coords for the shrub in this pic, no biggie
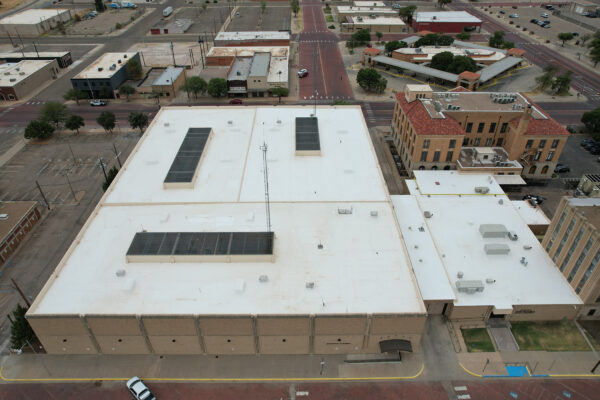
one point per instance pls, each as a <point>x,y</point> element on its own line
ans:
<point>117,26</point>
<point>77,17</point>
<point>331,26</point>
<point>214,1</point>
<point>329,18</point>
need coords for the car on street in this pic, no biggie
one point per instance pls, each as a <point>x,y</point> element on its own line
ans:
<point>302,73</point>
<point>97,103</point>
<point>594,150</point>
<point>514,15</point>
<point>502,12</point>
<point>514,7</point>
<point>533,21</point>
<point>396,6</point>
<point>139,390</point>
<point>549,7</point>
<point>560,167</point>
<point>575,34</point>
<point>546,26</point>
<point>544,15</point>
<point>114,5</point>
<point>590,144</point>
<point>235,101</point>
<point>534,198</point>
<point>585,142</point>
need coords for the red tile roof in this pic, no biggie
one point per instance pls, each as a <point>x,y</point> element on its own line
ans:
<point>372,51</point>
<point>423,33</point>
<point>422,122</point>
<point>468,75</point>
<point>541,126</point>
<point>459,89</point>
<point>515,51</point>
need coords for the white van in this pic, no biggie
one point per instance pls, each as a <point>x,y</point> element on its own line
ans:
<point>167,11</point>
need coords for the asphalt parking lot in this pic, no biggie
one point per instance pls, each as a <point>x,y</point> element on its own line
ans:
<point>275,18</point>
<point>209,20</point>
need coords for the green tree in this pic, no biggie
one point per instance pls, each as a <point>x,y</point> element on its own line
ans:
<point>595,55</point>
<point>20,330</point>
<point>394,45</point>
<point>295,5</point>
<point>442,3</point>
<point>442,60</point>
<point>126,90</point>
<point>370,80</point>
<point>496,40</point>
<point>584,38</point>
<point>379,35</point>
<point>545,81</point>
<point>445,40</point>
<point>462,63</point>
<point>138,120</point>
<point>194,85</point>
<point>106,120</point>
<point>54,112</point>
<point>565,36</point>
<point>361,36</point>
<point>110,175</point>
<point>75,94</point>
<point>99,5</point>
<point>74,122</point>
<point>406,13</point>
<point>591,120</point>
<point>134,69</point>
<point>217,87</point>
<point>463,36</point>
<point>38,129</point>
<point>562,83</point>
<point>341,103</point>
<point>279,92</point>
<point>433,39</point>
<point>263,6</point>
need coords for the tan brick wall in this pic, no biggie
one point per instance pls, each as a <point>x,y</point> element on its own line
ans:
<point>169,326</point>
<point>284,344</point>
<point>336,325</point>
<point>543,312</point>
<point>283,326</point>
<point>391,325</point>
<point>176,344</point>
<point>338,344</point>
<point>125,326</point>
<point>67,344</point>
<point>469,312</point>
<point>117,344</point>
<point>56,326</point>
<point>373,341</point>
<point>226,326</point>
<point>229,344</point>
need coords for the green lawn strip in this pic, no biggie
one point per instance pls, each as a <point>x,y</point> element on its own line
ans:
<point>329,18</point>
<point>477,340</point>
<point>548,336</point>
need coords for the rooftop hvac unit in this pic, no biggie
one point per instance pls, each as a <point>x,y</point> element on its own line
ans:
<point>513,236</point>
<point>344,211</point>
<point>18,69</point>
<point>100,69</point>
<point>374,213</point>
<point>427,214</point>
<point>469,287</point>
<point>310,285</point>
<point>263,278</point>
<point>482,189</point>
<point>493,249</point>
<point>118,61</point>
<point>449,107</point>
<point>460,274</point>
<point>13,79</point>
<point>124,55</point>
<point>437,105</point>
<point>457,107</point>
<point>490,280</point>
<point>21,73</point>
<point>493,230</point>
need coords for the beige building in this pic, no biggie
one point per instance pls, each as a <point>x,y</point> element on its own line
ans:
<point>180,256</point>
<point>474,254</point>
<point>343,12</point>
<point>18,80</point>
<point>430,129</point>
<point>169,82</point>
<point>424,54</point>
<point>573,242</point>
<point>33,22</point>
<point>374,24</point>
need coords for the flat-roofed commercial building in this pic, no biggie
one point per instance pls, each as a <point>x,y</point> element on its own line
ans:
<point>573,242</point>
<point>424,54</point>
<point>105,74</point>
<point>374,24</point>
<point>369,4</point>
<point>351,11</point>
<point>431,128</point>
<point>179,256</point>
<point>445,21</point>
<point>169,82</point>
<point>260,38</point>
<point>63,58</point>
<point>473,253</point>
<point>18,80</point>
<point>33,22</point>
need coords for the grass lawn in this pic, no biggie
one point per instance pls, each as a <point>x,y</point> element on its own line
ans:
<point>329,18</point>
<point>549,336</point>
<point>477,340</point>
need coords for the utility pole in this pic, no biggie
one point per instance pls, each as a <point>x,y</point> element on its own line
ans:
<point>173,54</point>
<point>36,50</point>
<point>74,159</point>
<point>42,193</point>
<point>70,187</point>
<point>102,165</point>
<point>117,155</point>
<point>21,292</point>
<point>11,41</point>
<point>22,45</point>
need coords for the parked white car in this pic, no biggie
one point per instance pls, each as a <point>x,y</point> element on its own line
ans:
<point>139,390</point>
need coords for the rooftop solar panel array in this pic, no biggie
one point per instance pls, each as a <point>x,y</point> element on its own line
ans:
<point>307,134</point>
<point>201,243</point>
<point>186,161</point>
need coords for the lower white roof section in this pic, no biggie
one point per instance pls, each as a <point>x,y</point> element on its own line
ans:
<point>530,214</point>
<point>454,182</point>
<point>426,262</point>
<point>362,267</point>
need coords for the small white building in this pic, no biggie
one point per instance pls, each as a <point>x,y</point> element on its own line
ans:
<point>33,22</point>
<point>17,80</point>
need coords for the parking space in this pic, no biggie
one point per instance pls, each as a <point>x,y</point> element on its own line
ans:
<point>105,22</point>
<point>204,21</point>
<point>274,18</point>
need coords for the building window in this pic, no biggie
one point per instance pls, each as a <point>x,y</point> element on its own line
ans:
<point>580,259</point>
<point>423,156</point>
<point>504,127</point>
<point>492,127</point>
<point>555,143</point>
<point>469,127</point>
<point>476,143</point>
<point>588,272</point>
<point>532,170</point>
<point>436,156</point>
<point>542,144</point>
<point>449,156</point>
<point>558,226</point>
<point>499,142</point>
<point>426,143</point>
<point>465,141</point>
<point>480,127</point>
<point>537,156</point>
<point>488,142</point>
<point>564,239</point>
<point>452,143</point>
<point>550,156</point>
<point>570,253</point>
<point>11,96</point>
<point>529,144</point>
<point>544,170</point>
<point>591,312</point>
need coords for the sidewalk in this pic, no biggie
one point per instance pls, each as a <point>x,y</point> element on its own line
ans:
<point>30,367</point>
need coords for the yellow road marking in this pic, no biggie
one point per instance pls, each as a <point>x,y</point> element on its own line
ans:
<point>469,372</point>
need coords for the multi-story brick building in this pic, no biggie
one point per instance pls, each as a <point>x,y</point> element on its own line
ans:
<point>573,242</point>
<point>431,128</point>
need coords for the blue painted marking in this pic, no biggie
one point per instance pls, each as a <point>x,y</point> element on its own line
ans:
<point>516,371</point>
<point>566,394</point>
<point>513,394</point>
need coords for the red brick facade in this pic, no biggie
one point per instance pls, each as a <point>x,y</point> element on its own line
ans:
<point>14,238</point>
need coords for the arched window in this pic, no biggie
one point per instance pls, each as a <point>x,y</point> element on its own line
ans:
<point>434,167</point>
<point>446,168</point>
<point>544,170</point>
<point>532,170</point>
<point>421,168</point>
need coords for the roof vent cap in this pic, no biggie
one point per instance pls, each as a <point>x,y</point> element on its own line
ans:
<point>427,214</point>
<point>120,273</point>
<point>310,285</point>
<point>374,213</point>
<point>263,278</point>
<point>460,274</point>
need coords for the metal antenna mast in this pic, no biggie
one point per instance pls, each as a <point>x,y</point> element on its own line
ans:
<point>266,176</point>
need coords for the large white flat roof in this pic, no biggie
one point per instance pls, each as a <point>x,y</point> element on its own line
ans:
<point>531,215</point>
<point>33,16</point>
<point>369,4</point>
<point>377,21</point>
<point>266,35</point>
<point>104,62</point>
<point>445,16</point>
<point>454,227</point>
<point>362,267</point>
